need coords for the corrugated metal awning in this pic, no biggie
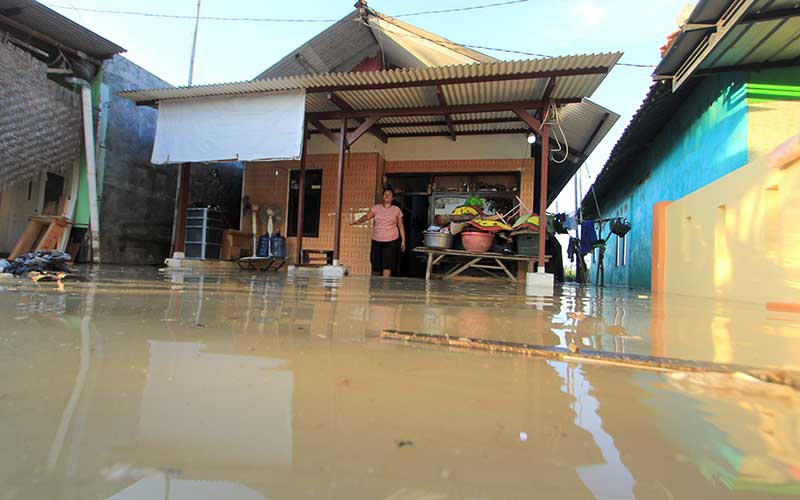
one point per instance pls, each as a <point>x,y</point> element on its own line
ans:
<point>418,102</point>
<point>578,77</point>
<point>50,23</point>
<point>723,35</point>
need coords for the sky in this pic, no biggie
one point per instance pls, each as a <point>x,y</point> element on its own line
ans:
<point>239,50</point>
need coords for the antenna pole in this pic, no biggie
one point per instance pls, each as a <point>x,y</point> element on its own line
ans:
<point>194,42</point>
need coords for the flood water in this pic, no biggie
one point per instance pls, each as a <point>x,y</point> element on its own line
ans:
<point>146,385</point>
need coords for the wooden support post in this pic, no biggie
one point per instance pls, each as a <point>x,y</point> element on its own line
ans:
<point>543,196</point>
<point>182,202</point>
<point>301,198</point>
<point>337,230</point>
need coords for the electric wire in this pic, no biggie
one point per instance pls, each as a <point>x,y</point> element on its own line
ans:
<point>269,19</point>
<point>299,20</point>
<point>445,43</point>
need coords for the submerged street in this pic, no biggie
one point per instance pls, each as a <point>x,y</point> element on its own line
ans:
<point>141,384</point>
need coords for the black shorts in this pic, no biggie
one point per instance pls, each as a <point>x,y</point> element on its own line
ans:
<point>384,255</point>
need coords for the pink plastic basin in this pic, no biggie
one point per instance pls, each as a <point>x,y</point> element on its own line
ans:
<point>477,242</point>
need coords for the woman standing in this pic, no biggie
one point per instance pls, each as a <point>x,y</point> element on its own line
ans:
<point>388,235</point>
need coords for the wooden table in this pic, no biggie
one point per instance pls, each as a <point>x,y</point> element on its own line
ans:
<point>475,260</point>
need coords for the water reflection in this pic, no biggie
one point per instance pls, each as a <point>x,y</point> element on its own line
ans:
<point>251,386</point>
<point>163,487</point>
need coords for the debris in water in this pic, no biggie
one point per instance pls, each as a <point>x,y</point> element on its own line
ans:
<point>523,436</point>
<point>403,443</point>
<point>344,381</point>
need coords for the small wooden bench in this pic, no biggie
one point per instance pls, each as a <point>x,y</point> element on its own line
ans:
<point>476,260</point>
<point>311,257</point>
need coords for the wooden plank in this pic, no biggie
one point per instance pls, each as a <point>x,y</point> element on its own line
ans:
<point>51,237</point>
<point>27,240</point>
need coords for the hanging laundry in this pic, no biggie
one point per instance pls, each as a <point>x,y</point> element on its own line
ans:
<point>572,222</point>
<point>588,236</point>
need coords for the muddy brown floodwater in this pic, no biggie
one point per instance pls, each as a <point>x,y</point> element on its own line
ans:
<point>145,385</point>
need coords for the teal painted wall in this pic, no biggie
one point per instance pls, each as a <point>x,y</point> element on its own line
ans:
<point>704,140</point>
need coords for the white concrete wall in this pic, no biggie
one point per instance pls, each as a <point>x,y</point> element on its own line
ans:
<point>467,147</point>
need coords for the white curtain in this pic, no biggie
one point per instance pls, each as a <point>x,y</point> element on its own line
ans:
<point>250,127</point>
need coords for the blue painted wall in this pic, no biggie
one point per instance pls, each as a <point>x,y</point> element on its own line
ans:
<point>704,140</point>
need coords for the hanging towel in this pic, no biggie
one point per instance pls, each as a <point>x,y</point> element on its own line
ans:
<point>588,236</point>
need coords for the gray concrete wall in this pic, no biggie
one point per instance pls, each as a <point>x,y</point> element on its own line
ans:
<point>219,184</point>
<point>138,197</point>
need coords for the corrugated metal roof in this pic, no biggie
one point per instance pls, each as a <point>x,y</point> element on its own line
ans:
<point>578,86</point>
<point>768,32</point>
<point>324,53</point>
<point>349,41</point>
<point>63,30</point>
<point>584,123</point>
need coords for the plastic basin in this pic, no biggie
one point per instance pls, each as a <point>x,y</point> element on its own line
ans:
<point>476,242</point>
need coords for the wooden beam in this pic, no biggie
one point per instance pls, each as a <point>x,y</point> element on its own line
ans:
<point>333,137</point>
<point>48,40</point>
<point>436,110</point>
<point>448,120</point>
<point>530,75</point>
<point>548,91</point>
<point>439,123</point>
<point>529,119</point>
<point>345,106</point>
<point>358,132</point>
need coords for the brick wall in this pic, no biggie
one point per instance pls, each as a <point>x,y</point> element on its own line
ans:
<point>522,165</point>
<point>363,181</point>
<point>360,181</point>
<point>40,121</point>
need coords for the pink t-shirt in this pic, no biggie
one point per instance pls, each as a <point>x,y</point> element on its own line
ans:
<point>386,223</point>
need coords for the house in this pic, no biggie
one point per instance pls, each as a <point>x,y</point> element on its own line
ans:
<point>689,171</point>
<point>435,120</point>
<point>46,60</point>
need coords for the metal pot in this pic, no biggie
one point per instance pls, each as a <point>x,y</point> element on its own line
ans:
<point>438,240</point>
